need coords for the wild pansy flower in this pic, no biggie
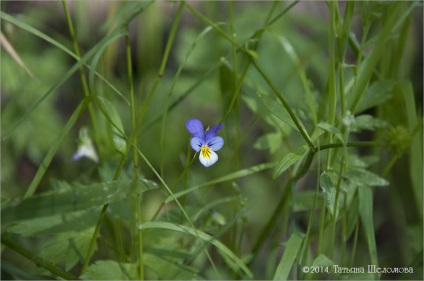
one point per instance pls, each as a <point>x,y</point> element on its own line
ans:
<point>85,147</point>
<point>205,142</point>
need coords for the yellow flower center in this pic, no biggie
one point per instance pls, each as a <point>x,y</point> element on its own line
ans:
<point>206,151</point>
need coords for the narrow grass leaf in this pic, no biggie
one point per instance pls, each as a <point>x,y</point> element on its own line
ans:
<point>302,74</point>
<point>291,250</point>
<point>367,67</point>
<point>36,32</point>
<point>9,48</point>
<point>111,270</point>
<point>378,93</point>
<point>76,198</point>
<point>416,149</point>
<point>289,160</point>
<point>168,270</point>
<point>278,110</point>
<point>203,236</point>
<point>352,217</point>
<point>53,149</point>
<point>366,215</point>
<point>229,177</point>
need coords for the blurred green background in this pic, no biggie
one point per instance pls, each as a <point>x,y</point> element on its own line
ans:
<point>204,90</point>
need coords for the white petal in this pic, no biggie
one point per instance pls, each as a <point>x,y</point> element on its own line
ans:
<point>207,156</point>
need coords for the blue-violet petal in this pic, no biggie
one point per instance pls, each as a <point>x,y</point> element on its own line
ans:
<point>195,127</point>
<point>213,131</point>
<point>215,143</point>
<point>196,143</point>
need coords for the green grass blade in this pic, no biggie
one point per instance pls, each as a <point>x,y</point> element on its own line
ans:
<point>53,149</point>
<point>224,250</point>
<point>367,68</point>
<point>416,149</point>
<point>366,214</point>
<point>288,160</point>
<point>292,248</point>
<point>77,198</point>
<point>64,78</point>
<point>229,177</point>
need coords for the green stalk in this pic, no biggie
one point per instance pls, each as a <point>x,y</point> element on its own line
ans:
<point>332,87</point>
<point>135,155</point>
<point>285,103</point>
<point>321,228</point>
<point>136,128</point>
<point>81,72</point>
<point>348,144</point>
<point>5,240</point>
<point>155,84</point>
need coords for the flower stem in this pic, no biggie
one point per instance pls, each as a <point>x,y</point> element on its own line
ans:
<point>81,72</point>
<point>5,240</point>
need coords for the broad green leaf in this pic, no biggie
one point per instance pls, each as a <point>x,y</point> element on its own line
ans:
<point>68,248</point>
<point>110,113</point>
<point>362,177</point>
<point>229,177</point>
<point>289,160</point>
<point>278,110</point>
<point>331,129</point>
<point>118,141</point>
<point>236,262</point>
<point>111,270</point>
<point>76,221</point>
<point>378,93</point>
<point>366,214</point>
<point>168,270</point>
<point>328,192</point>
<point>322,260</point>
<point>77,198</point>
<point>291,250</point>
<point>367,122</point>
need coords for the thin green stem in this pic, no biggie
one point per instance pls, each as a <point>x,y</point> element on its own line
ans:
<point>355,242</point>
<point>135,154</point>
<point>332,87</point>
<point>348,144</point>
<point>81,72</point>
<point>136,129</point>
<point>140,238</point>
<point>321,228</point>
<point>131,93</point>
<point>93,239</point>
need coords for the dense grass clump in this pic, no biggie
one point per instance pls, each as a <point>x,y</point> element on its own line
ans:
<point>320,171</point>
